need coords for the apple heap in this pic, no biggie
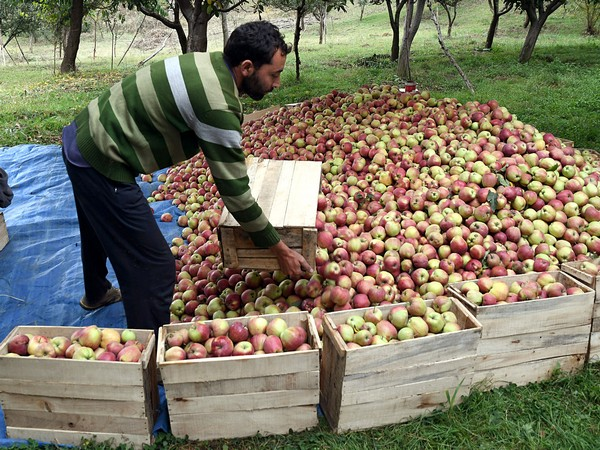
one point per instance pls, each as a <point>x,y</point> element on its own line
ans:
<point>221,338</point>
<point>403,321</point>
<point>86,343</point>
<point>417,192</point>
<point>487,291</point>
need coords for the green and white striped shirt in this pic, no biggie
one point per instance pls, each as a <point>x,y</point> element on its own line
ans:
<point>160,116</point>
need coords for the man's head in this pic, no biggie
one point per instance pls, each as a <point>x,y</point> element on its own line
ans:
<point>256,53</point>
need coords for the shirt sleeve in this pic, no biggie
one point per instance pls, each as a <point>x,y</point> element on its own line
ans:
<point>220,142</point>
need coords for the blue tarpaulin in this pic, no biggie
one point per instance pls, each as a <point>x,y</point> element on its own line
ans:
<point>41,279</point>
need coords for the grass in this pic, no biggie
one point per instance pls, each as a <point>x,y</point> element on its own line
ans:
<point>557,91</point>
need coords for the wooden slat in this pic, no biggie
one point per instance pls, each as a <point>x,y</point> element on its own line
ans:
<point>266,195</point>
<point>293,381</point>
<point>50,388</point>
<point>234,424</point>
<point>594,350</point>
<point>246,401</point>
<point>229,251</point>
<point>62,437</point>
<point>305,190</point>
<point>393,410</point>
<point>75,422</point>
<point>522,374</point>
<point>309,245</point>
<point>283,197</point>
<point>83,406</point>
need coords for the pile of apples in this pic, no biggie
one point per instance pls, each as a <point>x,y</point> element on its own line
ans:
<point>416,193</point>
<point>86,343</point>
<point>488,291</point>
<point>221,338</point>
<point>404,321</point>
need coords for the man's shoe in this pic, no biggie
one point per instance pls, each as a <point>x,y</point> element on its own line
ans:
<point>113,295</point>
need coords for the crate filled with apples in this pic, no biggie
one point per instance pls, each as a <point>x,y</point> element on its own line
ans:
<point>532,324</point>
<point>260,373</point>
<point>588,272</point>
<point>59,384</point>
<point>387,364</point>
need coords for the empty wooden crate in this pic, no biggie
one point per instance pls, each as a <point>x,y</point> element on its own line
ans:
<point>287,192</point>
<point>63,401</point>
<point>525,341</point>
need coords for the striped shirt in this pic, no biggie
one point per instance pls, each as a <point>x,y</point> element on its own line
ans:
<point>160,116</point>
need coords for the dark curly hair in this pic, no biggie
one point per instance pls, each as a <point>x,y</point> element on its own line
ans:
<point>256,41</point>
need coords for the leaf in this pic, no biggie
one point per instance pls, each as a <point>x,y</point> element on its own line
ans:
<point>492,199</point>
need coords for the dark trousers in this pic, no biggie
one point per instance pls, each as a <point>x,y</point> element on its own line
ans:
<point>116,222</point>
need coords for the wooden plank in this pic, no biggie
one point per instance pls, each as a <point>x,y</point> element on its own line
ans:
<point>577,337</point>
<point>333,367</point>
<point>525,373</point>
<point>272,177</point>
<point>65,437</point>
<point>246,401</point>
<point>234,424</point>
<point>573,268</point>
<point>229,252</point>
<point>594,351</point>
<point>283,198</point>
<point>398,381</point>
<point>294,381</point>
<point>392,410</point>
<point>305,187</point>
<point>49,388</point>
<point>75,422</point>
<point>3,232</point>
<point>309,245</point>
<point>83,406</point>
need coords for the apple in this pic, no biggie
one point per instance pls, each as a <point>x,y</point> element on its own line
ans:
<point>175,354</point>
<point>243,348</point>
<point>405,333</point>
<point>398,316</point>
<point>221,346</point>
<point>129,353</point>
<point>373,315</point>
<point>272,344</point>
<point>91,336</point>
<point>114,347</point>
<point>18,344</point>
<point>386,329</point>
<point>128,335</point>
<point>435,322</point>
<point>61,344</point>
<point>258,341</point>
<point>238,332</point>
<point>109,335</point>
<point>257,325</point>
<point>84,353</point>
<point>293,337</point>
<point>199,332</point>
<point>219,327</point>
<point>418,325</point>
<point>105,355</point>
<point>276,326</point>
<point>363,338</point>
<point>195,350</point>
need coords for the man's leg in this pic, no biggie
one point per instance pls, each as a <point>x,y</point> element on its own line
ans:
<point>122,220</point>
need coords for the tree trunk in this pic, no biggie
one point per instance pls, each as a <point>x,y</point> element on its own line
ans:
<point>411,26</point>
<point>300,12</point>
<point>224,27</point>
<point>73,37</point>
<point>492,31</point>
<point>323,23</point>
<point>530,40</point>
<point>394,18</point>
<point>198,31</point>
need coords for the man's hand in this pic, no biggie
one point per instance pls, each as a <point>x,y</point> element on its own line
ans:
<point>290,261</point>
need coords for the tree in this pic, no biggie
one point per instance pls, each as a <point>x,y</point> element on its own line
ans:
<point>450,8</point>
<point>17,17</point>
<point>537,12</point>
<point>412,21</point>
<point>497,13</point>
<point>197,14</point>
<point>591,9</point>
<point>394,8</point>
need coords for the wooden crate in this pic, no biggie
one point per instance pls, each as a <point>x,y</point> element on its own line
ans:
<point>524,342</point>
<point>387,384</point>
<point>573,269</point>
<point>63,401</point>
<point>240,396</point>
<point>287,192</point>
<point>3,232</point>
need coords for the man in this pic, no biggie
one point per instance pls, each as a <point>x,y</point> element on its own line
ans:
<point>159,116</point>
